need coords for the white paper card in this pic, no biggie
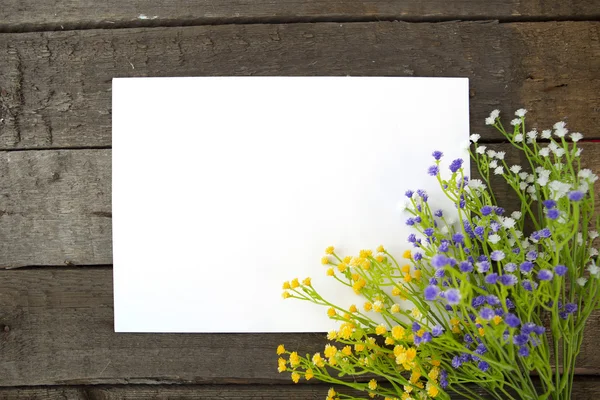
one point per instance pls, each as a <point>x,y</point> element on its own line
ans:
<point>224,187</point>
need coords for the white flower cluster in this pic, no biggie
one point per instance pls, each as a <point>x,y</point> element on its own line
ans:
<point>491,120</point>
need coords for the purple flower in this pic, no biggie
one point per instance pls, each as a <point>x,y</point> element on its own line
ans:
<point>439,260</point>
<point>438,213</point>
<point>521,340</point>
<point>549,204</point>
<point>458,238</point>
<point>465,267</point>
<point>528,285</point>
<point>531,255</point>
<point>508,280</point>
<point>437,154</point>
<point>486,313</point>
<point>527,328</point>
<point>452,296</point>
<point>409,194</point>
<point>486,210</point>
<point>481,349</point>
<point>510,267</point>
<point>483,366</point>
<point>535,236</point>
<point>563,315</point>
<point>482,257</point>
<point>575,195</point>
<point>498,210</point>
<point>417,256</point>
<point>553,213</point>
<point>478,301</point>
<point>509,304</point>
<point>437,330</point>
<point>429,231</point>
<point>412,238</point>
<point>495,226</point>
<point>456,363</point>
<point>516,250</point>
<point>423,195</point>
<point>491,279</point>
<point>523,351</point>
<point>456,164</point>
<point>410,222</point>
<point>497,255</point>
<point>416,327</point>
<point>570,308</point>
<point>440,273</point>
<point>431,292</point>
<point>427,337</point>
<point>483,267</point>
<point>539,330</point>
<point>479,230</point>
<point>526,267</point>
<point>433,170</point>
<point>512,320</point>
<point>492,300</point>
<point>433,281</point>
<point>468,339</point>
<point>544,275</point>
<point>444,246</point>
<point>545,233</point>
<point>560,270</point>
<point>443,379</point>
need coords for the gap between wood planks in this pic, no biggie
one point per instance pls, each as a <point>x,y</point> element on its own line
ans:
<point>202,21</point>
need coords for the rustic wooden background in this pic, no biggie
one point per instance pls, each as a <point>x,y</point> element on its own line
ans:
<point>57,59</point>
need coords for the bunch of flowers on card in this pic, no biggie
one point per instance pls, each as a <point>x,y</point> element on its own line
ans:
<point>487,298</point>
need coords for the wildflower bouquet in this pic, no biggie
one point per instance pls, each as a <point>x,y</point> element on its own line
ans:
<point>486,297</point>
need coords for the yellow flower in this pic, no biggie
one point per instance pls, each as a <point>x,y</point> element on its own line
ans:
<point>280,350</point>
<point>454,321</point>
<point>380,330</point>
<point>366,253</point>
<point>331,312</point>
<point>318,360</point>
<point>415,376</point>
<point>416,313</point>
<point>359,347</point>
<point>481,331</point>
<point>372,384</point>
<point>407,254</point>
<point>330,272</point>
<point>331,392</point>
<point>342,267</point>
<point>432,390</point>
<point>366,264</point>
<point>434,373</point>
<point>286,285</point>
<point>332,335</point>
<point>389,341</point>
<point>368,306</point>
<point>497,319</point>
<point>329,250</point>
<point>379,258</point>
<point>398,332</point>
<point>407,278</point>
<point>355,277</point>
<point>309,374</point>
<point>406,396</point>
<point>399,349</point>
<point>396,291</point>
<point>325,260</point>
<point>281,368</point>
<point>295,283</point>
<point>353,309</point>
<point>420,332</point>
<point>306,282</point>
<point>347,350</point>
<point>405,269</point>
<point>395,309</point>
<point>295,377</point>
<point>330,351</point>
<point>372,395</point>
<point>357,286</point>
<point>455,329</point>
<point>408,389</point>
<point>346,330</point>
<point>435,363</point>
<point>285,295</point>
<point>380,249</point>
<point>411,353</point>
<point>418,274</point>
<point>294,359</point>
<point>419,385</point>
<point>347,259</point>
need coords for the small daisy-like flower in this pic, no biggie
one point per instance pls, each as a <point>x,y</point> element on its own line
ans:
<point>581,281</point>
<point>575,195</point>
<point>480,149</point>
<point>532,135</point>
<point>493,164</point>
<point>500,155</point>
<point>521,112</point>
<point>593,269</point>
<point>491,120</point>
<point>546,134</point>
<point>560,270</point>
<point>433,170</point>
<point>437,330</point>
<point>518,138</point>
<point>516,215</point>
<point>576,136</point>
<point>515,122</point>
<point>499,170</point>
<point>544,152</point>
<point>452,296</point>
<point>512,320</point>
<point>474,137</point>
<point>545,275</point>
<point>515,169</point>
<point>593,234</point>
<point>494,238</point>
<point>508,280</point>
<point>372,384</point>
<point>497,255</point>
<point>456,165</point>
<point>437,154</point>
<point>431,292</point>
<point>491,153</point>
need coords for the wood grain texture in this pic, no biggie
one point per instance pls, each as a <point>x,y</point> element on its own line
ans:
<point>58,330</point>
<point>55,87</point>
<point>584,389</point>
<point>74,14</point>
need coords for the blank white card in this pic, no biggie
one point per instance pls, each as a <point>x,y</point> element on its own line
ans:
<point>225,187</point>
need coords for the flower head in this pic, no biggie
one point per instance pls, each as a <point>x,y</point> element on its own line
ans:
<point>575,195</point>
<point>433,170</point>
<point>456,165</point>
<point>544,275</point>
<point>452,296</point>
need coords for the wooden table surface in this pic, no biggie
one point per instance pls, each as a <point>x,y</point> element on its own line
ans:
<point>57,59</point>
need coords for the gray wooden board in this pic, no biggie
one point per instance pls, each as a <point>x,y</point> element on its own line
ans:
<point>55,87</point>
<point>74,14</point>
<point>584,389</point>
<point>56,328</point>
<point>55,205</point>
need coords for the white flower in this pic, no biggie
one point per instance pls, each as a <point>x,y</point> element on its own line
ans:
<point>523,175</point>
<point>523,185</point>
<point>583,187</point>
<point>559,152</point>
<point>581,281</point>
<point>511,242</point>
<point>516,214</point>
<point>493,239</point>
<point>465,145</point>
<point>490,121</point>
<point>579,238</point>
<point>593,234</point>
<point>491,153</point>
<point>500,155</point>
<point>518,233</point>
<point>560,125</point>
<point>516,122</point>
<point>542,181</point>
<point>530,178</point>
<point>533,196</point>
<point>545,152</point>
<point>531,189</point>
<point>444,230</point>
<point>480,149</point>
<point>578,152</point>
<point>518,138</point>
<point>546,134</point>
<point>495,114</point>
<point>508,223</point>
<point>525,244</point>
<point>594,269</point>
<point>588,175</point>
<point>532,134</point>
<point>476,184</point>
<point>593,252</point>
<point>515,169</point>
<point>499,170</point>
<point>521,112</point>
<point>493,164</point>
<point>475,138</point>
<point>576,136</point>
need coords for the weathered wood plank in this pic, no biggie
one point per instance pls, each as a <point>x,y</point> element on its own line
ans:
<point>58,329</point>
<point>55,205</point>
<point>584,389</point>
<point>55,87</point>
<point>73,14</point>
